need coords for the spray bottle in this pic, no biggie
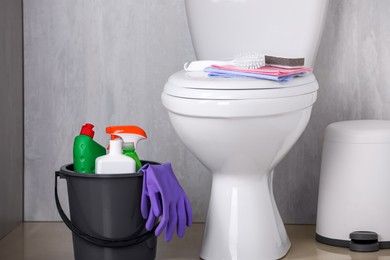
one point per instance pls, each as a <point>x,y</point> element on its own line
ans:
<point>130,135</point>
<point>115,161</point>
<point>86,150</point>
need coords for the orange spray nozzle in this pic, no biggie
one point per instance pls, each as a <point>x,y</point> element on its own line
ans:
<point>127,129</point>
<point>129,133</point>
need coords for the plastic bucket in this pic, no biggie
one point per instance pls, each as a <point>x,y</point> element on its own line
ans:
<point>106,220</point>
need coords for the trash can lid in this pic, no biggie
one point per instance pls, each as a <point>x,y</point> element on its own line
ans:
<point>359,131</point>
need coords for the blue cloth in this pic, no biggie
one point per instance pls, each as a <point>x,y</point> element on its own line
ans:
<point>220,73</point>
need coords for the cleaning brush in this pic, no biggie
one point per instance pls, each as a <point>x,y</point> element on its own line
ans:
<point>246,60</point>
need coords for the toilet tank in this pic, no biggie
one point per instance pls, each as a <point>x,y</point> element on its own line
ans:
<point>221,29</point>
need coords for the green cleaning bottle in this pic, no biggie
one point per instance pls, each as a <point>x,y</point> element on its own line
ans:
<point>130,135</point>
<point>86,150</point>
<point>129,150</point>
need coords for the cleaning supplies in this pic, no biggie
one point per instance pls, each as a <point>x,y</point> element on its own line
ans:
<point>283,62</point>
<point>130,135</point>
<point>267,72</point>
<point>86,150</point>
<point>247,60</point>
<point>115,161</point>
<point>163,196</point>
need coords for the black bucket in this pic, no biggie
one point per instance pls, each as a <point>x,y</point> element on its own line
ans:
<point>106,220</point>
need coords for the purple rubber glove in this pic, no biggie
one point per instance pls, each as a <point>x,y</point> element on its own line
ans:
<point>163,196</point>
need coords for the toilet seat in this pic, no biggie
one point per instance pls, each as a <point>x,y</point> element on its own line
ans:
<point>197,85</point>
<point>195,94</point>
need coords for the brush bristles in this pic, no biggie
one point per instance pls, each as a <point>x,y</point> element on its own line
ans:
<point>249,60</point>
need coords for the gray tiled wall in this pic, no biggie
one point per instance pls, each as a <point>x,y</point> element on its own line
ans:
<point>352,69</point>
<point>106,62</point>
<point>11,115</point>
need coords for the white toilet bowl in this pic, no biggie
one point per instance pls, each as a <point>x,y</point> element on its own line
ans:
<point>240,130</point>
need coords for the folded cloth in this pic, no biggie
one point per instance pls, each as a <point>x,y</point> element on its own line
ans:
<point>163,196</point>
<point>225,73</point>
<point>267,70</point>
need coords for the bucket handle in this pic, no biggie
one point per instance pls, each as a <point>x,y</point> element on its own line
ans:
<point>105,242</point>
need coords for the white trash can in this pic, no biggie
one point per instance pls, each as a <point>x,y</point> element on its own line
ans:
<point>354,192</point>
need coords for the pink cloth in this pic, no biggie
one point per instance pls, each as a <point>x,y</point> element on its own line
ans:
<point>267,70</point>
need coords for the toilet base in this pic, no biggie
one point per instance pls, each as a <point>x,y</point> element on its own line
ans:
<point>243,222</point>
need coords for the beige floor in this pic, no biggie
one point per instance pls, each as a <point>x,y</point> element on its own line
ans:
<point>52,241</point>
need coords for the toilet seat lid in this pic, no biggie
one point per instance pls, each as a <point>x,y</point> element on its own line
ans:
<point>198,85</point>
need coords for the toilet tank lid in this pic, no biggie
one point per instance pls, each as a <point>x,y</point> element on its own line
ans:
<point>359,131</point>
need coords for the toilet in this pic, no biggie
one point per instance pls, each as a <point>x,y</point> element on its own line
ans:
<point>240,129</point>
